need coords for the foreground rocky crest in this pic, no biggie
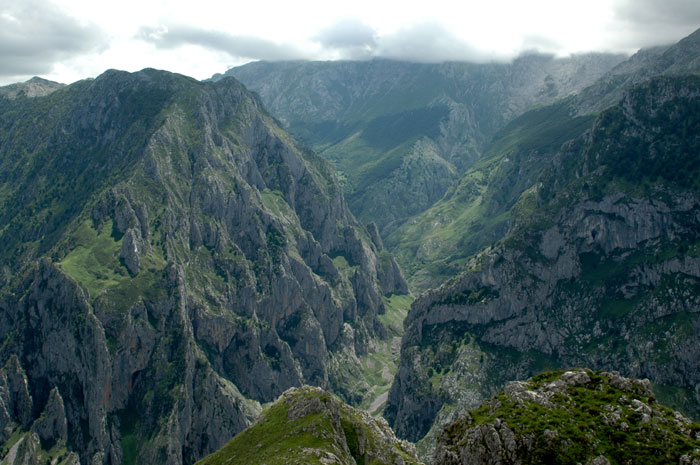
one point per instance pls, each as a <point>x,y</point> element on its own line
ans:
<point>309,426</point>
<point>570,417</point>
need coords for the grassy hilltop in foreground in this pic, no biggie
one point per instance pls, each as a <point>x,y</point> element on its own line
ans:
<point>312,427</point>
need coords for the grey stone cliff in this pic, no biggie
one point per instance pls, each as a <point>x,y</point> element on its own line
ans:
<point>596,271</point>
<point>212,264</point>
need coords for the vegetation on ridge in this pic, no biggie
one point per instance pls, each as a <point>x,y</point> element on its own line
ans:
<point>310,426</point>
<point>570,417</point>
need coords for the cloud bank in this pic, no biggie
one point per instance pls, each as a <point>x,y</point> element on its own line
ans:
<point>645,23</point>
<point>237,46</point>
<point>349,39</point>
<point>71,39</point>
<point>633,24</point>
<point>35,35</point>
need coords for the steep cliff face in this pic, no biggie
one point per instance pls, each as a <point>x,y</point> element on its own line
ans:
<point>173,258</point>
<point>434,245</point>
<point>401,133</point>
<point>577,416</point>
<point>307,425</point>
<point>600,269</point>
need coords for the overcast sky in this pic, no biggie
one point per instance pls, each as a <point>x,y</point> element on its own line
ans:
<point>67,40</point>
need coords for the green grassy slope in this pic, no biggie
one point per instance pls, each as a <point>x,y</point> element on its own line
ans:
<point>310,426</point>
<point>436,244</point>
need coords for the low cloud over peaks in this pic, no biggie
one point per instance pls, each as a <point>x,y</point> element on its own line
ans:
<point>422,42</point>
<point>428,42</point>
<point>347,33</point>
<point>352,38</point>
<point>346,39</point>
<point>34,35</point>
<point>238,46</point>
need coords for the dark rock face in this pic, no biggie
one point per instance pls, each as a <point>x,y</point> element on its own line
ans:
<point>195,261</point>
<point>600,269</point>
<point>615,419</point>
<point>16,401</point>
<point>51,427</point>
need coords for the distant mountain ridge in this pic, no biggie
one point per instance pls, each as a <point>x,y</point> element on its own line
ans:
<point>401,133</point>
<point>34,87</point>
<point>678,59</point>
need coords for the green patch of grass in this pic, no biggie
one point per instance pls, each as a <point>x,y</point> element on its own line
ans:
<point>94,260</point>
<point>546,377</point>
<point>94,263</point>
<point>276,440</point>
<point>396,308</point>
<point>274,201</point>
<point>16,435</point>
<point>57,453</point>
<point>344,267</point>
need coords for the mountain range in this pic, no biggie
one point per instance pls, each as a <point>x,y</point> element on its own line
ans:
<point>177,265</point>
<point>399,134</point>
<point>172,258</point>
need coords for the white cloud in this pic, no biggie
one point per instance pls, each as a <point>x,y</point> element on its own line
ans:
<point>35,35</point>
<point>238,46</point>
<point>645,23</point>
<point>429,42</point>
<point>71,39</point>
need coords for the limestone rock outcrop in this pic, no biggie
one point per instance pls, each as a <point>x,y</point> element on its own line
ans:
<point>576,416</point>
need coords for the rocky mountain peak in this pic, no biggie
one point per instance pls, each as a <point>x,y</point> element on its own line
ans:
<point>34,87</point>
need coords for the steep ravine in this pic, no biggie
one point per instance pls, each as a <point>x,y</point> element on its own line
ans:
<point>400,134</point>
